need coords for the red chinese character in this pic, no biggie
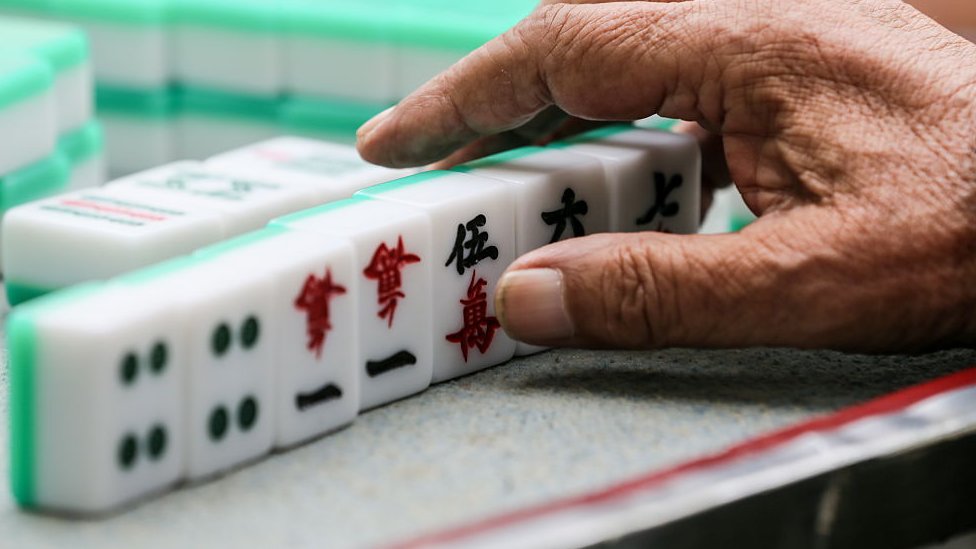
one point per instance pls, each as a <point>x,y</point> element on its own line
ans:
<point>479,328</point>
<point>385,268</point>
<point>314,300</point>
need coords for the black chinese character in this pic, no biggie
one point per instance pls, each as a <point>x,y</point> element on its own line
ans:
<point>571,208</point>
<point>475,245</point>
<point>662,188</point>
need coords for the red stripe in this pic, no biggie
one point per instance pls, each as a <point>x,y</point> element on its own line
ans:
<point>112,209</point>
<point>881,406</point>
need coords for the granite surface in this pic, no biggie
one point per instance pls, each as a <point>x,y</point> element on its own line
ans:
<point>540,427</point>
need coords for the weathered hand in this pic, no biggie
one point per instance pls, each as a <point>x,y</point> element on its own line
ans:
<point>849,126</point>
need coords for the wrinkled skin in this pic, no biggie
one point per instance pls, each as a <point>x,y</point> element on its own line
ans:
<point>848,126</point>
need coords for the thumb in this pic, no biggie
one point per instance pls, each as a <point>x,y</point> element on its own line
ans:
<point>652,290</point>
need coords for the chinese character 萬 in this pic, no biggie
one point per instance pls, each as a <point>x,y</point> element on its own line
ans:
<point>479,329</point>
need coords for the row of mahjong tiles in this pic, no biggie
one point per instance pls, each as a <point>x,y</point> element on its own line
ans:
<point>265,47</point>
<point>616,178</point>
<point>287,333</point>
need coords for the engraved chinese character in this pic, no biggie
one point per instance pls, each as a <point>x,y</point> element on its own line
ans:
<point>479,329</point>
<point>567,214</point>
<point>663,187</point>
<point>314,300</point>
<point>467,254</point>
<point>385,268</point>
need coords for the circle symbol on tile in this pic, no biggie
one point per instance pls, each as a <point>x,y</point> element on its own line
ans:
<point>158,357</point>
<point>157,442</point>
<point>218,423</point>
<point>250,332</point>
<point>221,339</point>
<point>129,368</point>
<point>247,413</point>
<point>127,452</point>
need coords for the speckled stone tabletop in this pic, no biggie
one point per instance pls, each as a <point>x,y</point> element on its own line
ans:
<point>546,426</point>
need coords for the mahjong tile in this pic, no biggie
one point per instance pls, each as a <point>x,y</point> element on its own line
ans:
<point>245,203</point>
<point>95,234</point>
<point>130,39</point>
<point>97,398</point>
<point>338,50</point>
<point>228,44</point>
<point>334,171</point>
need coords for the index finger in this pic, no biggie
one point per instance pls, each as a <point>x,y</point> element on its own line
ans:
<point>610,61</point>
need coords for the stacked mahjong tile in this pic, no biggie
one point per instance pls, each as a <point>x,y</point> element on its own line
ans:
<point>190,78</point>
<point>131,383</point>
<point>48,140</point>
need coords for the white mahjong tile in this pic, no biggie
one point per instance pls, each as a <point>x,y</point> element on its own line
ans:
<point>229,321</point>
<point>335,171</point>
<point>393,269</point>
<point>654,177</point>
<point>415,65</point>
<point>430,36</point>
<point>96,234</point>
<point>245,203</point>
<point>130,56</point>
<point>99,392</point>
<point>473,239</point>
<point>314,335</point>
<point>338,50</point>
<point>334,68</point>
<point>134,143</point>
<point>228,45</point>
<point>558,195</point>
<point>28,113</point>
<point>130,41</point>
<point>199,136</point>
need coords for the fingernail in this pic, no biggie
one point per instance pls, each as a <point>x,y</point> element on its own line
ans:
<point>532,307</point>
<point>373,123</point>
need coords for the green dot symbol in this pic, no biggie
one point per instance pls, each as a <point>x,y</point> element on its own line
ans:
<point>157,442</point>
<point>158,357</point>
<point>250,332</point>
<point>247,413</point>
<point>127,452</point>
<point>218,423</point>
<point>129,368</point>
<point>221,339</point>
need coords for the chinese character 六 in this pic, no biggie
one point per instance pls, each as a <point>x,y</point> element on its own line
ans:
<point>314,300</point>
<point>475,245</point>
<point>385,269</point>
<point>663,187</point>
<point>571,208</point>
<point>479,329</point>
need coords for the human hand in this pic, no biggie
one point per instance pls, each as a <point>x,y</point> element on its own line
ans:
<point>849,127</point>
